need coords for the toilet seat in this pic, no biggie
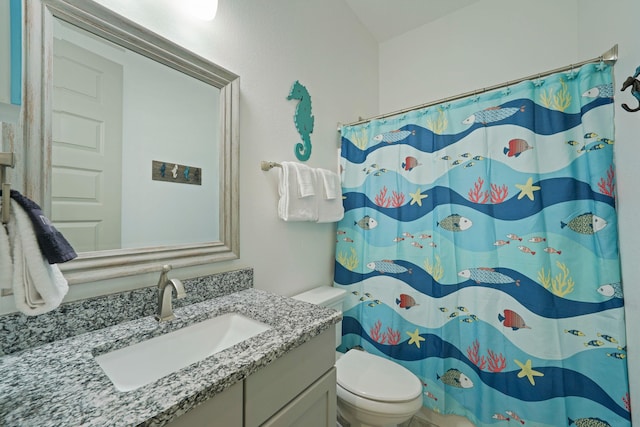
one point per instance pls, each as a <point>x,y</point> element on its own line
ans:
<point>375,378</point>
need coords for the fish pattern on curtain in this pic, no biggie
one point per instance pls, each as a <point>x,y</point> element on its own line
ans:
<point>479,249</point>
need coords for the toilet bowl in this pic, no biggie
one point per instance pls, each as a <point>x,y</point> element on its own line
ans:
<point>372,391</point>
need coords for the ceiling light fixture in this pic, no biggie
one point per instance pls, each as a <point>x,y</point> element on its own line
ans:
<point>202,9</point>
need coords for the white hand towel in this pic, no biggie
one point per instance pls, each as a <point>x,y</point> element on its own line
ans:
<point>306,180</point>
<point>330,182</point>
<point>330,207</point>
<point>292,206</point>
<point>38,286</point>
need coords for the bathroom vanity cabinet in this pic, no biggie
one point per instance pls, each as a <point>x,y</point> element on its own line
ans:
<point>296,390</point>
<point>283,376</point>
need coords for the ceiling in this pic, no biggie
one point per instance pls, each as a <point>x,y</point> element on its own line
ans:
<point>386,19</point>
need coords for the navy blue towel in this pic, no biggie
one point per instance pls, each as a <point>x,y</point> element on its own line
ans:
<point>54,247</point>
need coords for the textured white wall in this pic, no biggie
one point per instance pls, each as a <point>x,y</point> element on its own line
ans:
<point>495,41</point>
<point>482,45</point>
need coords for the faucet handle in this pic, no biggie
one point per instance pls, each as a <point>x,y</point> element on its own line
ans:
<point>179,287</point>
<point>163,276</point>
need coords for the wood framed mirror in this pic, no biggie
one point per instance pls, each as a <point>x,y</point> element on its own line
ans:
<point>42,129</point>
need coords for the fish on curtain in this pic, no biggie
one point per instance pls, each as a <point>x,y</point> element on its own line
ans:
<point>479,249</point>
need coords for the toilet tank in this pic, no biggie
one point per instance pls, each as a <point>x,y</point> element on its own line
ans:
<point>326,296</point>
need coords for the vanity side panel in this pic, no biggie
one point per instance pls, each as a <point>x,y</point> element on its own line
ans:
<point>271,388</point>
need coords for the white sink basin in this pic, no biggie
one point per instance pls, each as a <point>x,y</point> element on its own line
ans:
<point>147,361</point>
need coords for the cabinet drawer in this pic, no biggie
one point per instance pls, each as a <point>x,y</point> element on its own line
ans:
<point>275,385</point>
<point>224,409</point>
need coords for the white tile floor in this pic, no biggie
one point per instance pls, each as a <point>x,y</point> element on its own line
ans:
<point>417,422</point>
<point>414,422</point>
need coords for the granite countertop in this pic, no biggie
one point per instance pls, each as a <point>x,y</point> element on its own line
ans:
<point>60,384</point>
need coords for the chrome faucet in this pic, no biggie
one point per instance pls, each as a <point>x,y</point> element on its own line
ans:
<point>165,310</point>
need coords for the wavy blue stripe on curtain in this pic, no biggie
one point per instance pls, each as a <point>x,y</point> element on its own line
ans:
<point>555,122</point>
<point>559,189</point>
<point>479,247</point>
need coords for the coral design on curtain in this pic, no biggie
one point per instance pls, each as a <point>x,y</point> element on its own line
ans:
<point>479,249</point>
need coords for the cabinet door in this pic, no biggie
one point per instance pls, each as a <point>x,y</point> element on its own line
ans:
<point>275,385</point>
<point>314,407</point>
<point>222,410</point>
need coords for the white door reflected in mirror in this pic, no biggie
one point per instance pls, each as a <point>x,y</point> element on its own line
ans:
<point>114,112</point>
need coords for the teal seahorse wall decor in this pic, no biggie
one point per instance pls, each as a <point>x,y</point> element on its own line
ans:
<point>303,120</point>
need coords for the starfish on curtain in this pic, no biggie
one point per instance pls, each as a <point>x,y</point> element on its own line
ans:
<point>527,189</point>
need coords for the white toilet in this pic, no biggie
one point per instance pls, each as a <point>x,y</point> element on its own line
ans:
<point>372,391</point>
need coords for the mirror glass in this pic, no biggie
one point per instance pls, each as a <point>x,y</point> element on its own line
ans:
<point>130,143</point>
<point>116,115</point>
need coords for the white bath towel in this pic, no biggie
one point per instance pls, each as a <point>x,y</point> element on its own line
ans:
<point>296,203</point>
<point>38,286</point>
<point>330,208</point>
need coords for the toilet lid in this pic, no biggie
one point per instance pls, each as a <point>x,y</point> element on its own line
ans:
<point>376,378</point>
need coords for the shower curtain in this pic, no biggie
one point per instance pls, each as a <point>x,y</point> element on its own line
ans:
<point>479,250</point>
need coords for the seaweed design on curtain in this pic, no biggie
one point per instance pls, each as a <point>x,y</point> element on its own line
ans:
<point>479,249</point>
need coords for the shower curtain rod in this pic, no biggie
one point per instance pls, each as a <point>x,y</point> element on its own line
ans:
<point>609,57</point>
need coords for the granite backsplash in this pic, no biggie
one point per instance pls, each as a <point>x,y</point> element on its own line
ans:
<point>20,332</point>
